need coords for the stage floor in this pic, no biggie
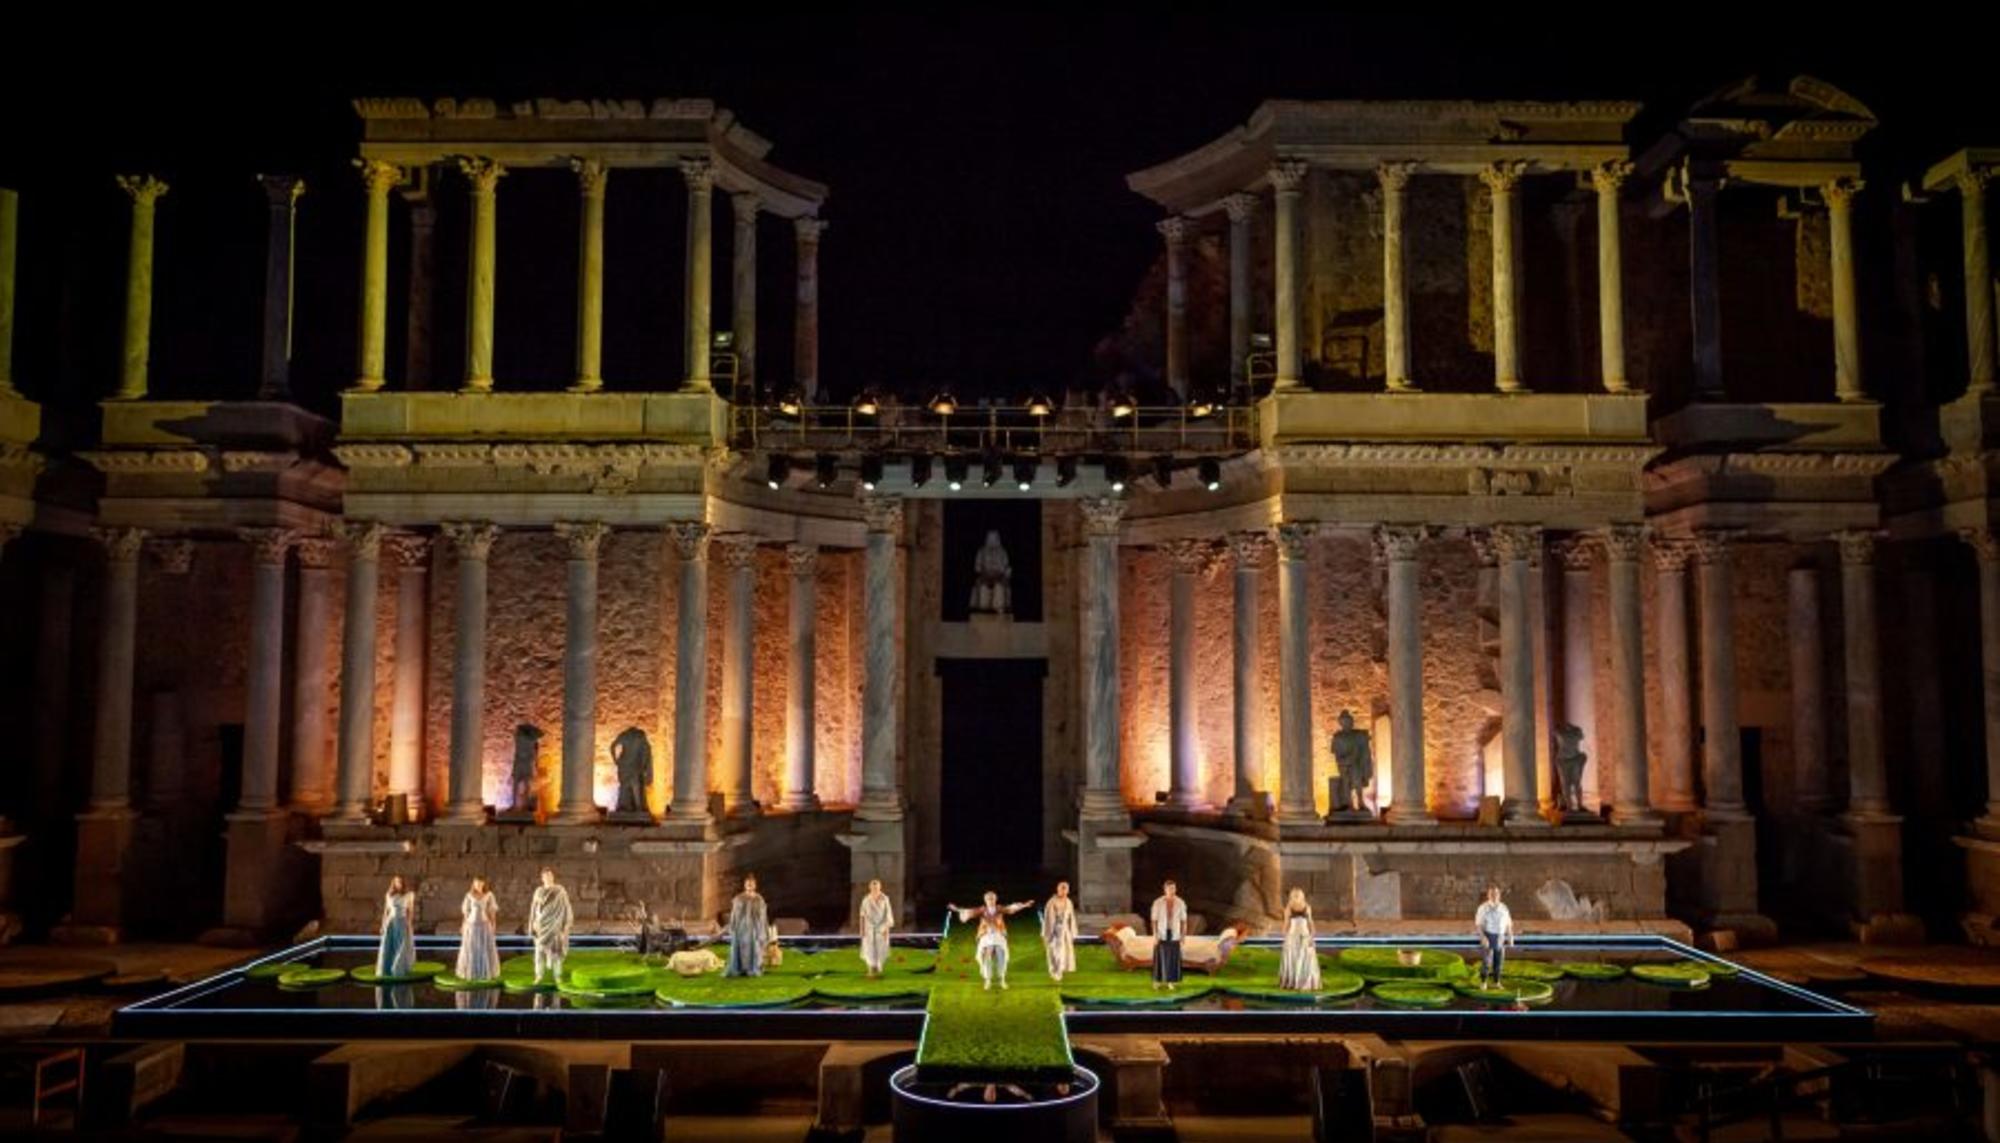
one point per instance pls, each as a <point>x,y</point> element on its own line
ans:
<point>1738,1004</point>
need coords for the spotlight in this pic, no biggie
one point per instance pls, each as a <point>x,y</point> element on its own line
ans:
<point>1210,471</point>
<point>1065,470</point>
<point>826,468</point>
<point>954,472</point>
<point>1024,473</point>
<point>722,339</point>
<point>1040,406</point>
<point>1262,341</point>
<point>1114,472</point>
<point>944,404</point>
<point>790,403</point>
<point>1122,407</point>
<point>871,471</point>
<point>1201,406</point>
<point>777,469</point>
<point>1163,470</point>
<point>867,405</point>
<point>989,474</point>
<point>920,470</point>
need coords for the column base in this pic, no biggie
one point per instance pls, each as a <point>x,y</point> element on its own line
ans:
<point>742,808</point>
<point>1104,849</point>
<point>265,877</point>
<point>1255,805</point>
<point>801,802</point>
<point>355,813</point>
<point>1401,387</point>
<point>586,816</point>
<point>1873,844</point>
<point>1522,815</point>
<point>879,806</point>
<point>1641,818</point>
<point>104,839</point>
<point>586,385</point>
<point>1187,801</point>
<point>468,813</point>
<point>1296,815</point>
<point>693,813</point>
<point>1398,815</point>
<point>1727,868</point>
<point>1101,802</point>
<point>697,385</point>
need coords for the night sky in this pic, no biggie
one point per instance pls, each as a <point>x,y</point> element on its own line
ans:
<point>982,235</point>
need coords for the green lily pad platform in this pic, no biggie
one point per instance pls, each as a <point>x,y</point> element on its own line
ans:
<point>1713,968</point>
<point>302,979</point>
<point>890,986</point>
<point>451,983</point>
<point>733,991</point>
<point>420,972</point>
<point>1333,985</point>
<point>272,970</point>
<point>1590,969</point>
<point>1382,964</point>
<point>1531,970</point>
<point>1679,975</point>
<point>1406,994</point>
<point>1138,991</point>
<point>1511,990</point>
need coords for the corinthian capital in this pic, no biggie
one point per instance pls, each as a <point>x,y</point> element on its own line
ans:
<point>802,559</point>
<point>1241,207</point>
<point>1251,550</point>
<point>1711,545</point>
<point>1185,556</point>
<point>743,206</point>
<point>471,539</point>
<point>1972,181</point>
<point>1102,515</point>
<point>1985,543</point>
<point>583,537</point>
<point>1396,543</point>
<point>282,190</point>
<point>1395,177</point>
<point>739,550</point>
<point>379,177</point>
<point>1840,192</point>
<point>689,538</point>
<point>1289,177</point>
<point>315,551</point>
<point>1671,553</point>
<point>590,176</point>
<point>484,174</point>
<point>1503,177</point>
<point>1175,230</point>
<point>121,545</point>
<point>1294,538</point>
<point>364,539</point>
<point>174,555</point>
<point>809,227</point>
<point>144,190</point>
<point>1608,177</point>
<point>270,545</point>
<point>1857,546</point>
<point>700,175</point>
<point>1624,543</point>
<point>883,513</point>
<point>408,549</point>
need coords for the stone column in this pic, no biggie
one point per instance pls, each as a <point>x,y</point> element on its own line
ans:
<point>590,178</point>
<point>1288,182</point>
<point>1705,279</point>
<point>10,239</point>
<point>1867,780</point>
<point>1607,178</point>
<point>282,193</point>
<point>1580,655</point>
<point>1395,180</point>
<point>263,687</point>
<point>1504,181</point>
<point>690,796</point>
<point>472,543</point>
<point>1184,790</point>
<point>423,273</point>
<point>739,555</point>
<point>1979,355</point>
<point>805,314</point>
<point>1802,630</point>
<point>1847,370</point>
<point>1242,208</point>
<point>1670,560</point>
<point>145,192</point>
<point>1520,807</point>
<point>484,176</point>
<point>1296,803</point>
<point>1986,546</point>
<point>882,690</point>
<point>371,346</point>
<point>1631,805</point>
<point>1175,231</point>
<point>700,177</point>
<point>355,747</point>
<point>1099,593</point>
<point>803,561</point>
<point>743,287</point>
<point>1251,551</point>
<point>111,767</point>
<point>310,789</point>
<point>1398,546</point>
<point>406,702</point>
<point>579,741</point>
<point>1721,739</point>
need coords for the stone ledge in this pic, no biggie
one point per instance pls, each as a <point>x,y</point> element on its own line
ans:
<point>343,846</point>
<point>692,418</point>
<point>1590,418</point>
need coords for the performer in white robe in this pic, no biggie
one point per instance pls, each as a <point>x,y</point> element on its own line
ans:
<point>1059,932</point>
<point>1298,965</point>
<point>992,947</point>
<point>749,931</point>
<point>549,921</point>
<point>479,936</point>
<point>398,951</point>
<point>1169,926</point>
<point>877,918</point>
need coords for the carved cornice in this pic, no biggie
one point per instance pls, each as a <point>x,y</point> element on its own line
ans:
<point>374,455</point>
<point>250,461</point>
<point>802,559</point>
<point>146,461</point>
<point>1418,455</point>
<point>1293,539</point>
<point>20,457</point>
<point>121,545</point>
<point>689,539</point>
<point>471,539</point>
<point>1102,515</point>
<point>583,538</point>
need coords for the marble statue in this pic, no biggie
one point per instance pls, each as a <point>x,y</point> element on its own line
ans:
<point>749,931</point>
<point>527,748</point>
<point>398,951</point>
<point>478,937</point>
<point>549,921</point>
<point>1570,760</point>
<point>877,919</point>
<point>632,757</point>
<point>992,576</point>
<point>991,948</point>
<point>1354,765</point>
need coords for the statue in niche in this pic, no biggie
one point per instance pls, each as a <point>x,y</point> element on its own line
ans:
<point>1570,760</point>
<point>991,579</point>
<point>521,779</point>
<point>632,757</point>
<point>1354,768</point>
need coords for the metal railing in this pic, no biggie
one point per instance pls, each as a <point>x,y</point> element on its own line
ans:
<point>1222,431</point>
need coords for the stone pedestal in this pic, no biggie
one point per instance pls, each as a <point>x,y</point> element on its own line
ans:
<point>1104,844</point>
<point>264,887</point>
<point>103,844</point>
<point>1871,846</point>
<point>1726,859</point>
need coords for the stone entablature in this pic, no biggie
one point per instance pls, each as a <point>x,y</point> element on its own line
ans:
<point>661,417</point>
<point>186,466</point>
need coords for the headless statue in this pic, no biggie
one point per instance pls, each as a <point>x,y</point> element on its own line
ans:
<point>992,577</point>
<point>632,757</point>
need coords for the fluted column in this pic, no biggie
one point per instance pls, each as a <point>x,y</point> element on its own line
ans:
<point>803,562</point>
<point>1521,806</point>
<point>472,543</point>
<point>700,177</point>
<point>423,275</point>
<point>1287,184</point>
<point>881,694</point>
<point>1802,634</point>
<point>145,192</point>
<point>739,555</point>
<point>111,764</point>
<point>263,687</point>
<point>371,349</point>
<point>1631,800</point>
<point>355,750</point>
<point>805,314</point>
<point>10,242</point>
<point>1579,648</point>
<point>1395,180</point>
<point>690,795</point>
<point>1721,738</point>
<point>1102,520</point>
<point>1986,546</point>
<point>1398,546</point>
<point>406,698</point>
<point>309,790</point>
<point>743,286</point>
<point>1867,778</point>
<point>1242,208</point>
<point>1175,231</point>
<point>484,177</point>
<point>590,185</point>
<point>282,193</point>
<point>1670,560</point>
<point>1971,184</point>
<point>1251,551</point>
<point>1503,180</point>
<point>1848,384</point>
<point>1184,791</point>
<point>579,741</point>
<point>1607,178</point>
<point>1703,193</point>
<point>1296,804</point>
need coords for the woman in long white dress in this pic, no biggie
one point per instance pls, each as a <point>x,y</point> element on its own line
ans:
<point>398,952</point>
<point>1298,967</point>
<point>877,919</point>
<point>1059,932</point>
<point>479,936</point>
